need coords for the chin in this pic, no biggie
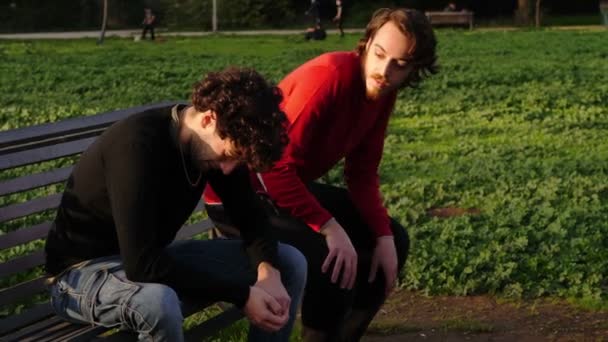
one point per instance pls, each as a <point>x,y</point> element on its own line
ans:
<point>372,94</point>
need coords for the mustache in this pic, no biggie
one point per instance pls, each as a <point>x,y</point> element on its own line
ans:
<point>380,79</point>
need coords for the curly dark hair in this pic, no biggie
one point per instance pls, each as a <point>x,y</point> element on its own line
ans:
<point>419,33</point>
<point>248,113</point>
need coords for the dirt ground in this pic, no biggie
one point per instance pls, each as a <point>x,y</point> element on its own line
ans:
<point>410,316</point>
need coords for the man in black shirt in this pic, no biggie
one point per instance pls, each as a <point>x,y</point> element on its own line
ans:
<point>111,254</point>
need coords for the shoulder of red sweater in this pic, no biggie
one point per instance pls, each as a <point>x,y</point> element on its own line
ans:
<point>341,66</point>
<point>338,59</point>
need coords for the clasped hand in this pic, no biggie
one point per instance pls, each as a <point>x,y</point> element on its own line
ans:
<point>268,304</point>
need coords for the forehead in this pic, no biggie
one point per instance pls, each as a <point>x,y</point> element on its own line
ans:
<point>390,39</point>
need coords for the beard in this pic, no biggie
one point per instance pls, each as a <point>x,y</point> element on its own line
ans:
<point>371,93</point>
<point>203,157</point>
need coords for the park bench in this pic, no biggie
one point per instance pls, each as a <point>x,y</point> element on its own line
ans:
<point>451,18</point>
<point>33,162</point>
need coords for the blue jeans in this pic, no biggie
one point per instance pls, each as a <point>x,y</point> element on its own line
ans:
<point>98,292</point>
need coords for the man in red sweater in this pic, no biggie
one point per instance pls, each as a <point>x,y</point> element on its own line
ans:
<point>338,106</point>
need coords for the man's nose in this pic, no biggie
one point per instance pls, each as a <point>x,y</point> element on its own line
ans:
<point>383,68</point>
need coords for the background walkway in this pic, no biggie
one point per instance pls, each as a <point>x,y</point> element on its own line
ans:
<point>132,33</point>
<point>161,32</point>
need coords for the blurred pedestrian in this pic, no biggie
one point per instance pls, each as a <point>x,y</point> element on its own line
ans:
<point>451,7</point>
<point>338,19</point>
<point>604,11</point>
<point>314,12</point>
<point>149,22</point>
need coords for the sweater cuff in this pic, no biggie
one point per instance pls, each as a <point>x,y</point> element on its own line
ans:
<point>383,230</point>
<point>240,296</point>
<point>318,221</point>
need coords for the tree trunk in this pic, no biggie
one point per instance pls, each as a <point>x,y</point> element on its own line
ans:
<point>522,15</point>
<point>103,22</point>
<point>537,17</point>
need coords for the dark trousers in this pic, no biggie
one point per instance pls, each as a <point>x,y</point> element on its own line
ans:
<point>325,305</point>
<point>146,29</point>
<point>340,26</point>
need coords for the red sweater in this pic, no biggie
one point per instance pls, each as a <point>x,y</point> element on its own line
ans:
<point>330,119</point>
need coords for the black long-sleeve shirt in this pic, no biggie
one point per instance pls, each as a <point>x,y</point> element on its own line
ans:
<point>129,195</point>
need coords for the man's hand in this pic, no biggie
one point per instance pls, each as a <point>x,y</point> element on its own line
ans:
<point>269,280</point>
<point>341,252</point>
<point>385,256</point>
<point>260,308</point>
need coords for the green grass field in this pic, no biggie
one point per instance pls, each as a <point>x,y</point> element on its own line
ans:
<point>514,125</point>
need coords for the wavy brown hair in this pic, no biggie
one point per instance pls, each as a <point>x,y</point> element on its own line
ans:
<point>248,113</point>
<point>419,33</point>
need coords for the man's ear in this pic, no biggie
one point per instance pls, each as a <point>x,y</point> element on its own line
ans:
<point>208,119</point>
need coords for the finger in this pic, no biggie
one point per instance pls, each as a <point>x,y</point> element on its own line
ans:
<point>268,326</point>
<point>273,305</point>
<point>337,268</point>
<point>285,303</point>
<point>354,274</point>
<point>276,321</point>
<point>372,271</point>
<point>346,273</point>
<point>330,256</point>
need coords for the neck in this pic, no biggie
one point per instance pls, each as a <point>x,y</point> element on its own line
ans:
<point>183,135</point>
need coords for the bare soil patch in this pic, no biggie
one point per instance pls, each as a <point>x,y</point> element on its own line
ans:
<point>409,316</point>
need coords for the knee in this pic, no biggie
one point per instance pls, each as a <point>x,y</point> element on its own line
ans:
<point>293,266</point>
<point>159,307</point>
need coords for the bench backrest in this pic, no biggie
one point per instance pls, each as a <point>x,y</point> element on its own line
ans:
<point>34,163</point>
<point>450,17</point>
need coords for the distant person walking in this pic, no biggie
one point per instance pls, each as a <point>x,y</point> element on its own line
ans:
<point>338,19</point>
<point>451,7</point>
<point>604,11</point>
<point>315,12</point>
<point>148,22</point>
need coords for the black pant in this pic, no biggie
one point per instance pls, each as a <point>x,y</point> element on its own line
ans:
<point>146,29</point>
<point>325,305</point>
<point>340,25</point>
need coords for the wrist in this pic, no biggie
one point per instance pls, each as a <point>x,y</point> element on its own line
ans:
<point>385,238</point>
<point>328,226</point>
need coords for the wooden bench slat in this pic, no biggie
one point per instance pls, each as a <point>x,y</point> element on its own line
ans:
<point>22,290</point>
<point>66,330</point>
<point>54,327</point>
<point>24,235</point>
<point>35,313</point>
<point>33,206</point>
<point>17,139</point>
<point>37,258</point>
<point>36,205</point>
<point>31,287</point>
<point>24,333</point>
<point>193,229</point>
<point>21,264</point>
<point>41,154</point>
<point>35,181</point>
<point>88,333</point>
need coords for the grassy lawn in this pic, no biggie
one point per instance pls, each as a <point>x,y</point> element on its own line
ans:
<point>513,126</point>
